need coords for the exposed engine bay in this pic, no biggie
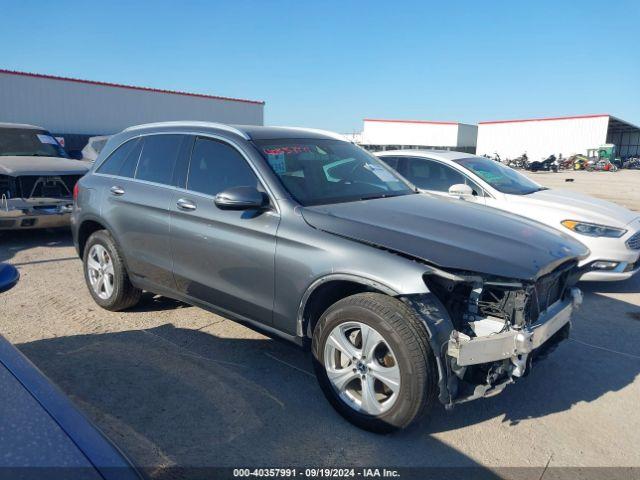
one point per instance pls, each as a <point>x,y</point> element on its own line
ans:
<point>36,186</point>
<point>30,201</point>
<point>492,329</point>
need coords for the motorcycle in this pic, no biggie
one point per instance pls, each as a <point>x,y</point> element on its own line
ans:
<point>632,163</point>
<point>567,163</point>
<point>520,162</point>
<point>549,164</point>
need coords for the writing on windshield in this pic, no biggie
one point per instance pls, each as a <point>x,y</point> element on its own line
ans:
<point>323,171</point>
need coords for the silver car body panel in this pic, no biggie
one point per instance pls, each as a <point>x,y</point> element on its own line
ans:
<point>263,268</point>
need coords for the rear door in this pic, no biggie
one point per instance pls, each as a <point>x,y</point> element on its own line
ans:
<point>223,258</point>
<point>137,203</point>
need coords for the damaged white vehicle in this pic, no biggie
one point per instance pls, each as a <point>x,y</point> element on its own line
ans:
<point>37,179</point>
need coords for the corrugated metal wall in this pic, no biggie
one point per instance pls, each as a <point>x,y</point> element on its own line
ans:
<point>395,132</point>
<point>65,106</point>
<point>541,138</point>
<point>627,143</point>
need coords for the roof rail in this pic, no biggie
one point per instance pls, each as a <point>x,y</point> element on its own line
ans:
<point>328,133</point>
<point>219,126</point>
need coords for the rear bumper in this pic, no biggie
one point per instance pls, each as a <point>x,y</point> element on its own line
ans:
<point>515,345</point>
<point>20,214</point>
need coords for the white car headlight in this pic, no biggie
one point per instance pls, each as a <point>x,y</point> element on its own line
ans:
<point>593,229</point>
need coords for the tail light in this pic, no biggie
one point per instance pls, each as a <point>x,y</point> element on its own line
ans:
<point>75,193</point>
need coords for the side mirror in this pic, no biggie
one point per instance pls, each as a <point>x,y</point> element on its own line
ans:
<point>241,198</point>
<point>8,276</point>
<point>460,190</point>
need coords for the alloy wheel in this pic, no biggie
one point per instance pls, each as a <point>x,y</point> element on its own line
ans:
<point>101,272</point>
<point>362,368</point>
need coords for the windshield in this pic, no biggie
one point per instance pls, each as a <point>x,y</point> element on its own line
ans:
<point>499,176</point>
<point>29,143</point>
<point>317,172</point>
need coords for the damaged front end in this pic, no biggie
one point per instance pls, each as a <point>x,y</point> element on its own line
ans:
<point>35,201</point>
<point>487,331</point>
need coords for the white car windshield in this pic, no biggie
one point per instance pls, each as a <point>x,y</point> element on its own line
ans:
<point>499,176</point>
<point>27,142</point>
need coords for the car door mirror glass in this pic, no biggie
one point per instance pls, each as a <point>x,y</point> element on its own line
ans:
<point>241,198</point>
<point>461,190</point>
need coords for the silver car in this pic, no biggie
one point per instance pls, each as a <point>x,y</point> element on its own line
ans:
<point>402,298</point>
<point>37,179</point>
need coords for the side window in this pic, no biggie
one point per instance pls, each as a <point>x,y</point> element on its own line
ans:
<point>159,156</point>
<point>123,160</point>
<point>391,161</point>
<point>216,166</point>
<point>432,175</point>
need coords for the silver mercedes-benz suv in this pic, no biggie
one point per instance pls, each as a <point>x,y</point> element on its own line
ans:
<point>404,298</point>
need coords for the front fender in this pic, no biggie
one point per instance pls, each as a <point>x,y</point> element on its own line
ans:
<point>439,326</point>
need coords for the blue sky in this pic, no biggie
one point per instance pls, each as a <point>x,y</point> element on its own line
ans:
<point>329,64</point>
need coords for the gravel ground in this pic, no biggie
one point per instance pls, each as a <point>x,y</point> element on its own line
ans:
<point>176,386</point>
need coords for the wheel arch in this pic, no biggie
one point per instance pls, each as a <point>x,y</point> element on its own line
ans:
<point>85,230</point>
<point>327,290</point>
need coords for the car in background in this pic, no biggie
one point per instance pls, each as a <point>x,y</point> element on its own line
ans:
<point>37,178</point>
<point>43,435</point>
<point>611,232</point>
<point>93,148</point>
<point>402,298</point>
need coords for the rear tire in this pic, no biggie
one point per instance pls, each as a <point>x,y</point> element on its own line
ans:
<point>106,275</point>
<point>400,374</point>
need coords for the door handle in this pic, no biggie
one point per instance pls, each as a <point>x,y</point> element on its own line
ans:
<point>117,191</point>
<point>184,204</point>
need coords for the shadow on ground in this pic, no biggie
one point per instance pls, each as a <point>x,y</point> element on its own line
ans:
<point>177,397</point>
<point>12,242</point>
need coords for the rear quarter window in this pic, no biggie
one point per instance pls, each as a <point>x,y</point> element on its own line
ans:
<point>123,161</point>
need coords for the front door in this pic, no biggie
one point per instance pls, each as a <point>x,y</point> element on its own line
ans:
<point>436,177</point>
<point>224,258</point>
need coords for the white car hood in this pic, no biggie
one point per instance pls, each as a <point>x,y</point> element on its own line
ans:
<point>24,165</point>
<point>572,206</point>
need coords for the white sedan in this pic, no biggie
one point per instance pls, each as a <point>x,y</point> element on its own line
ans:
<point>610,231</point>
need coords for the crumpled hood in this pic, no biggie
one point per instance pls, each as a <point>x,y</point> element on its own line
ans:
<point>20,165</point>
<point>451,234</point>
<point>573,206</point>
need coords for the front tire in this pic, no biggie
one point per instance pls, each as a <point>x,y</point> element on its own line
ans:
<point>106,275</point>
<point>373,362</point>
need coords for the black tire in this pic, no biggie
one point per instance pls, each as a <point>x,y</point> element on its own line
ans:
<point>407,337</point>
<point>124,295</point>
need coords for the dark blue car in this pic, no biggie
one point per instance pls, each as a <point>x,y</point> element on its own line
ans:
<point>42,434</point>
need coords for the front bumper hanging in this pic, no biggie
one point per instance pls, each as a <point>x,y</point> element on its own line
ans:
<point>513,344</point>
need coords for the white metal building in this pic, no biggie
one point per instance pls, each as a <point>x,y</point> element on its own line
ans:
<point>80,108</point>
<point>542,137</point>
<point>380,134</point>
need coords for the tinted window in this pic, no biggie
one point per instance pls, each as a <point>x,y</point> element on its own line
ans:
<point>499,176</point>
<point>329,171</point>
<point>391,161</point>
<point>436,176</point>
<point>159,156</point>
<point>123,160</point>
<point>430,175</point>
<point>216,166</point>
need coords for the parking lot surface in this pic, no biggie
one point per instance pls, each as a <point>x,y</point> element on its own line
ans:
<point>174,385</point>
